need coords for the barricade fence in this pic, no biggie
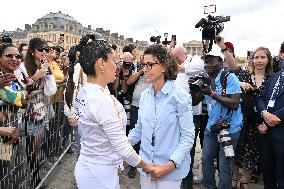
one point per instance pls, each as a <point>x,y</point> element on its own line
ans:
<point>44,137</point>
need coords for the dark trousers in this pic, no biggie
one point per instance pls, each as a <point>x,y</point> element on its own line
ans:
<point>200,122</point>
<point>272,154</point>
<point>133,121</point>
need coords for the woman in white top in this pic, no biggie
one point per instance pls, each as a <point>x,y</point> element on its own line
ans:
<point>101,121</point>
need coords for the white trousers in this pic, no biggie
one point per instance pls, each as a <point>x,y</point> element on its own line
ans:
<point>146,183</point>
<point>96,176</point>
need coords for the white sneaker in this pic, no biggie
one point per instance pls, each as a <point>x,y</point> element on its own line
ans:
<point>198,178</point>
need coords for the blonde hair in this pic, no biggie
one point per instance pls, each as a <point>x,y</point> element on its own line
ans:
<point>269,66</point>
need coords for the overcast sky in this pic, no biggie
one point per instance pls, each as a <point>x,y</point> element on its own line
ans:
<point>253,23</point>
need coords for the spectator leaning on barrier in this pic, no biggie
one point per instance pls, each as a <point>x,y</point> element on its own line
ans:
<point>14,94</point>
<point>40,77</point>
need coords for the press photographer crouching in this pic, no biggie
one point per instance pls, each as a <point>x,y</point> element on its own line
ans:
<point>222,94</point>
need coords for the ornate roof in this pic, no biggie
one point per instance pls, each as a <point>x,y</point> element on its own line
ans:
<point>58,19</point>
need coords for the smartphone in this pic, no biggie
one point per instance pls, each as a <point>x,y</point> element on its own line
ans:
<point>174,38</point>
<point>209,9</point>
<point>249,55</point>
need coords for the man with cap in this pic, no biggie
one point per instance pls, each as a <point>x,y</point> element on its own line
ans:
<point>222,94</point>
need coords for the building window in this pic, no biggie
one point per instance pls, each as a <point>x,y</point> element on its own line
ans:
<point>54,38</point>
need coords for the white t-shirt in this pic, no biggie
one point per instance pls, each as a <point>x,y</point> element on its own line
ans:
<point>193,66</point>
<point>101,124</point>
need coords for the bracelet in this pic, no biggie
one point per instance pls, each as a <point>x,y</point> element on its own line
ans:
<point>225,49</point>
<point>173,162</point>
<point>212,94</point>
<point>31,80</point>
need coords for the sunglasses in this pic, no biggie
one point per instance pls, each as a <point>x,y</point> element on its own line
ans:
<point>149,65</point>
<point>11,55</point>
<point>52,48</point>
<point>41,49</point>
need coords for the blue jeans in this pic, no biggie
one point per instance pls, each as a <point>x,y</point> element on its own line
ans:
<point>210,149</point>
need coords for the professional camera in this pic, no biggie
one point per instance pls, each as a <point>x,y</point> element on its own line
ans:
<point>224,137</point>
<point>155,39</point>
<point>126,65</point>
<point>199,80</point>
<point>7,39</point>
<point>211,26</point>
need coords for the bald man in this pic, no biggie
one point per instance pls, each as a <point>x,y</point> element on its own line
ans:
<point>190,66</point>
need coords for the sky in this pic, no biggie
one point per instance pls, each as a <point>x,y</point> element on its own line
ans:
<point>254,23</point>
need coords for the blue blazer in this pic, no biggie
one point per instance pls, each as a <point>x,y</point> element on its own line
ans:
<point>263,100</point>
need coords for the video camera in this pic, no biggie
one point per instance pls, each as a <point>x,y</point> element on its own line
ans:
<point>211,26</point>
<point>157,39</point>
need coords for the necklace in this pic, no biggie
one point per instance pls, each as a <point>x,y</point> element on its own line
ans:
<point>257,84</point>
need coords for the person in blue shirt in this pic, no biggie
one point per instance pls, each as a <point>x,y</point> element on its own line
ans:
<point>221,106</point>
<point>165,124</point>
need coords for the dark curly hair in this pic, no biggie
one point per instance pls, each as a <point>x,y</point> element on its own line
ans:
<point>90,50</point>
<point>165,58</point>
<point>4,46</point>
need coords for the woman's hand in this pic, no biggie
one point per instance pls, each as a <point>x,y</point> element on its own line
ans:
<point>6,79</point>
<point>161,171</point>
<point>262,128</point>
<point>40,73</point>
<point>72,122</point>
<point>271,119</point>
<point>246,86</point>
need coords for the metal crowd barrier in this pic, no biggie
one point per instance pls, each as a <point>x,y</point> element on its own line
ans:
<point>44,138</point>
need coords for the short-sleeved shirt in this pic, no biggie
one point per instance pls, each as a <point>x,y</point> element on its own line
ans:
<point>214,108</point>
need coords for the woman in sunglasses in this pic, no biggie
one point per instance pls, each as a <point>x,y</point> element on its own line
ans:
<point>13,93</point>
<point>165,123</point>
<point>38,69</point>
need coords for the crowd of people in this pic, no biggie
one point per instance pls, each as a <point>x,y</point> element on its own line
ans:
<point>147,112</point>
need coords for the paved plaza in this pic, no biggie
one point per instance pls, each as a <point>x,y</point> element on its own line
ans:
<point>62,177</point>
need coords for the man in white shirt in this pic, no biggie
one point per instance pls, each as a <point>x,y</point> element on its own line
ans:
<point>190,66</point>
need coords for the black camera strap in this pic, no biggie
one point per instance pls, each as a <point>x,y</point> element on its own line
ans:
<point>224,77</point>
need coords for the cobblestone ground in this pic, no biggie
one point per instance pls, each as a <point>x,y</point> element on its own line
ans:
<point>62,177</point>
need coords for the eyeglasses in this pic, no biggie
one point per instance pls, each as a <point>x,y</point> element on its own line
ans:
<point>11,55</point>
<point>41,49</point>
<point>149,65</point>
<point>51,48</point>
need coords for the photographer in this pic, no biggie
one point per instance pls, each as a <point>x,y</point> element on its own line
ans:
<point>222,94</point>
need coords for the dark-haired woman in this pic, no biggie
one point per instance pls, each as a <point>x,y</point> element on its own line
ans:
<point>14,94</point>
<point>165,123</point>
<point>101,121</point>
<point>252,82</point>
<point>41,111</point>
<point>76,79</point>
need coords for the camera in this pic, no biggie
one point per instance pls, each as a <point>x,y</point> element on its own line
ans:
<point>224,137</point>
<point>7,39</point>
<point>155,39</point>
<point>199,80</point>
<point>126,65</point>
<point>211,26</point>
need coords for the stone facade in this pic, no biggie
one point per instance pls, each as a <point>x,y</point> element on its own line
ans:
<point>193,47</point>
<point>52,25</point>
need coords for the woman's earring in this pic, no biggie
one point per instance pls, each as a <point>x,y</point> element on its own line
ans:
<point>102,71</point>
